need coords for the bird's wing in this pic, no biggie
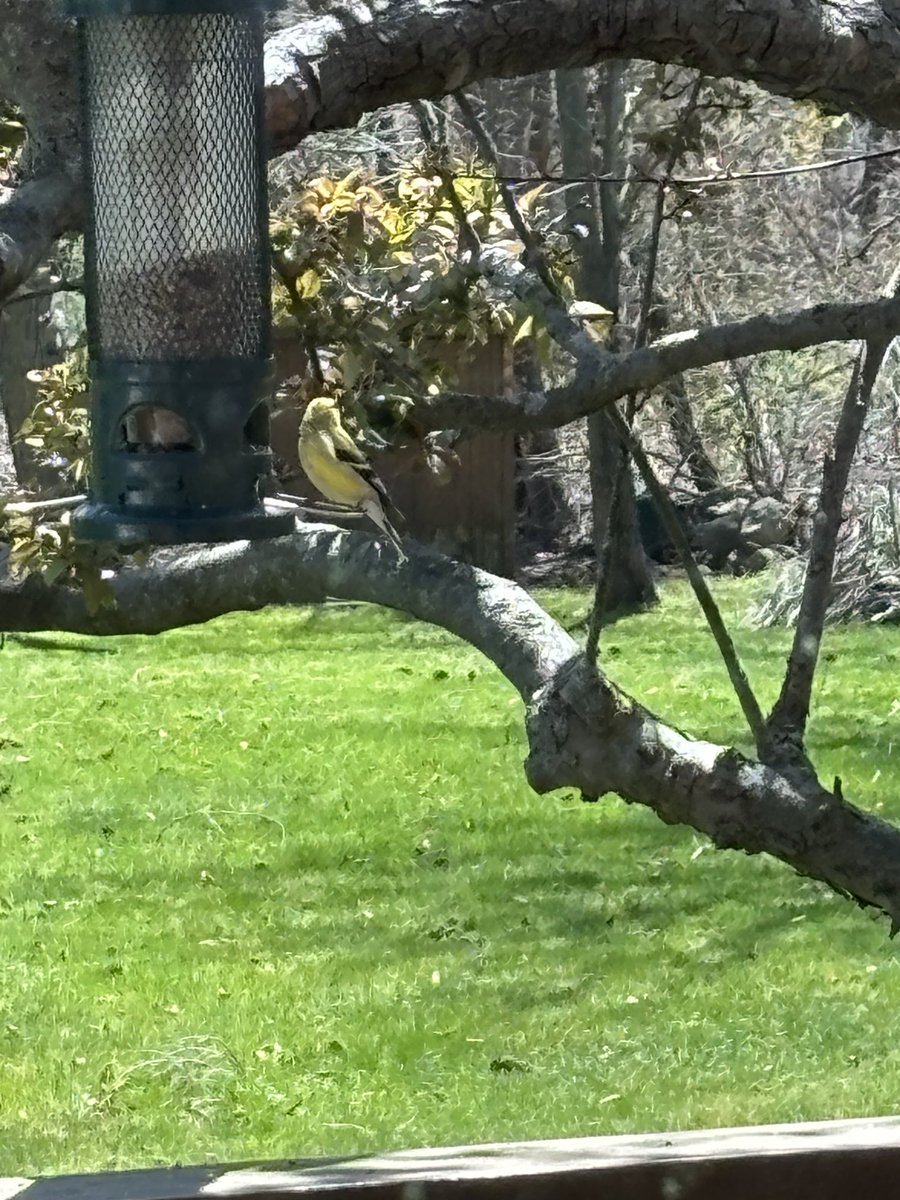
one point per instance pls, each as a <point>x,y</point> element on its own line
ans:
<point>347,451</point>
<point>345,447</point>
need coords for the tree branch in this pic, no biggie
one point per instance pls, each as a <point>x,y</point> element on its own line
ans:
<point>717,627</point>
<point>786,725</point>
<point>583,732</point>
<point>318,561</point>
<point>32,217</point>
<point>615,375</point>
<point>551,307</point>
<point>328,69</point>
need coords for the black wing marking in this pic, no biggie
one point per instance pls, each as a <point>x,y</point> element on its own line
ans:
<point>360,463</point>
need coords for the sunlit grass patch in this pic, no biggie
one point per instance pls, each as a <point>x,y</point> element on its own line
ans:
<point>275,886</point>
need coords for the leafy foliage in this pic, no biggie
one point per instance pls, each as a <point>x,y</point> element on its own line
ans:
<point>58,426</point>
<point>383,277</point>
<point>41,541</point>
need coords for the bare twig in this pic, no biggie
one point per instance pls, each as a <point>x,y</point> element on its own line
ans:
<point>435,137</point>
<point>315,508</point>
<point>488,151</point>
<point>289,279</point>
<point>863,250</point>
<point>648,284</point>
<point>714,179</point>
<point>754,448</point>
<point>736,673</point>
<point>24,507</point>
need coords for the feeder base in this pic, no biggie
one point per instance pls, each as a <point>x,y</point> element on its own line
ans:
<point>129,527</point>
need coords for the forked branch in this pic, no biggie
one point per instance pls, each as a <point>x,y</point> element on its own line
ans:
<point>549,303</point>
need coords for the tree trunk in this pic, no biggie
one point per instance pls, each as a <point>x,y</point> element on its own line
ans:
<point>628,582</point>
<point>628,585</point>
<point>546,514</point>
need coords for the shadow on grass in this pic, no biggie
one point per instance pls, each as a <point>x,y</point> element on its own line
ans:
<point>33,642</point>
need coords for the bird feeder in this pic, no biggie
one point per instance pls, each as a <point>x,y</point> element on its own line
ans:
<point>177,283</point>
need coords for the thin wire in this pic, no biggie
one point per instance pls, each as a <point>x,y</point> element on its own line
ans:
<point>712,180</point>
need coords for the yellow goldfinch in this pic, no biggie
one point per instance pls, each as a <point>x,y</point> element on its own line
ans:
<point>339,469</point>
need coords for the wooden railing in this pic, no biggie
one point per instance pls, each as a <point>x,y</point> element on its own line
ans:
<point>831,1160</point>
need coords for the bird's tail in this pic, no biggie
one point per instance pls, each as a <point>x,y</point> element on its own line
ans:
<point>377,516</point>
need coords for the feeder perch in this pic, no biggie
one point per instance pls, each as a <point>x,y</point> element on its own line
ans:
<point>177,283</point>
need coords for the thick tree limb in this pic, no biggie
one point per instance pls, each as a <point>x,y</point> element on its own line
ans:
<point>39,74</point>
<point>583,732</point>
<point>616,375</point>
<point>320,560</point>
<point>33,216</point>
<point>327,70</point>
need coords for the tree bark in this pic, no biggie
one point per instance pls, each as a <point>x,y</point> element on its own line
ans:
<point>32,217</point>
<point>28,340</point>
<point>327,70</point>
<point>545,511</point>
<point>586,734</point>
<point>786,726</point>
<point>626,584</point>
<point>583,732</point>
<point>38,73</point>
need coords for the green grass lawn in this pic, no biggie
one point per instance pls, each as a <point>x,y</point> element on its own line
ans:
<point>275,886</point>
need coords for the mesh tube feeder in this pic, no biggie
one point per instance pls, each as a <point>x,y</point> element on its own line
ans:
<point>177,272</point>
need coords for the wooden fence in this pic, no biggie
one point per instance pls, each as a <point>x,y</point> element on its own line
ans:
<point>831,1160</point>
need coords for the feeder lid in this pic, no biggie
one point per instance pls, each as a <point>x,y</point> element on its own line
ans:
<point>164,8</point>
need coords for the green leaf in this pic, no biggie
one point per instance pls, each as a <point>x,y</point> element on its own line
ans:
<point>310,284</point>
<point>525,330</point>
<point>97,592</point>
<point>54,570</point>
